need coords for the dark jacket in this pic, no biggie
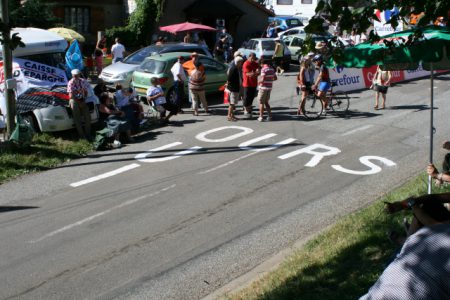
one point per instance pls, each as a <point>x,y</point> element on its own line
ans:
<point>234,79</point>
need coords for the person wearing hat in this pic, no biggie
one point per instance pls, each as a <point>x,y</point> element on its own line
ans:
<point>197,88</point>
<point>323,82</point>
<point>179,78</point>
<point>321,47</point>
<point>278,56</point>
<point>77,88</point>
<point>155,96</point>
<point>305,79</point>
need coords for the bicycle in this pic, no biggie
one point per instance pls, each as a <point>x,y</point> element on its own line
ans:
<point>338,102</point>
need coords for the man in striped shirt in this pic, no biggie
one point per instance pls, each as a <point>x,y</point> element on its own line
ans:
<point>265,87</point>
<point>197,88</point>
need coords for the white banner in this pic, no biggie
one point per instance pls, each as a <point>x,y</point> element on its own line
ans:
<point>40,74</point>
<point>347,79</point>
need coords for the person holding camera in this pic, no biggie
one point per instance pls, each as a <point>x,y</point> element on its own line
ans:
<point>77,88</point>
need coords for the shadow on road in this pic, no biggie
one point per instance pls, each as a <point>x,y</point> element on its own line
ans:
<point>4,209</point>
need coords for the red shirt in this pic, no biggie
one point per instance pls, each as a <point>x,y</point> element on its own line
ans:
<point>248,67</point>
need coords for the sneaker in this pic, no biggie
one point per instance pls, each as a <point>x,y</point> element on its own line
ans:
<point>117,144</point>
<point>268,119</point>
<point>260,119</point>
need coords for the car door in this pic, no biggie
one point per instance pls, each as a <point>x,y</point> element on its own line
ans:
<point>216,74</point>
<point>295,47</point>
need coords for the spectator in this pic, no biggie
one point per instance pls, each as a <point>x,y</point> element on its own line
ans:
<point>188,38</point>
<point>420,271</point>
<point>305,79</point>
<point>278,56</point>
<point>197,88</point>
<point>117,51</point>
<point>126,102</point>
<point>271,31</point>
<point>440,178</point>
<point>114,119</point>
<point>160,41</point>
<point>233,86</point>
<point>427,210</point>
<point>77,88</point>
<point>201,41</point>
<point>98,54</point>
<point>219,48</point>
<point>265,87</point>
<point>179,78</point>
<point>155,95</point>
<point>250,72</point>
<point>381,83</point>
<point>100,88</point>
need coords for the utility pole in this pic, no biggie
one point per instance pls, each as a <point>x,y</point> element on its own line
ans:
<point>7,70</point>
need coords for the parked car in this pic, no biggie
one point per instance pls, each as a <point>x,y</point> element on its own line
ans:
<point>159,66</point>
<point>295,43</point>
<point>285,22</point>
<point>121,72</point>
<point>291,31</point>
<point>265,48</point>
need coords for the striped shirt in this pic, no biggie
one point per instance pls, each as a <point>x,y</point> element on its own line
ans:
<point>197,81</point>
<point>267,77</point>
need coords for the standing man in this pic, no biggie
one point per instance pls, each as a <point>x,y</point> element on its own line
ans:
<point>322,84</point>
<point>197,88</point>
<point>278,56</point>
<point>381,81</point>
<point>234,86</point>
<point>117,51</point>
<point>265,87</point>
<point>77,88</point>
<point>179,78</point>
<point>219,48</point>
<point>250,72</point>
<point>271,31</point>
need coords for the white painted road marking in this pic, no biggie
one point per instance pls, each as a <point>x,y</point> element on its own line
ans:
<point>357,129</point>
<point>88,219</point>
<point>105,175</point>
<point>227,163</point>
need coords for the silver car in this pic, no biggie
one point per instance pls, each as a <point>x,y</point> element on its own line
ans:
<point>121,72</point>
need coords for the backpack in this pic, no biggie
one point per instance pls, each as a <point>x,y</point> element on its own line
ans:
<point>103,138</point>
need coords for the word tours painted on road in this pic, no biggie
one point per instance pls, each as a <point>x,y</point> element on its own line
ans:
<point>317,152</point>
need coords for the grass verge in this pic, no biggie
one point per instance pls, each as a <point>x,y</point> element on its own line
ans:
<point>46,151</point>
<point>344,261</point>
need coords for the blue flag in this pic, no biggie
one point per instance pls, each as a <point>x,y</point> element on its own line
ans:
<point>74,59</point>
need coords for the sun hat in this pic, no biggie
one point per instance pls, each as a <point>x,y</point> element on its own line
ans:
<point>194,54</point>
<point>238,59</point>
<point>319,45</point>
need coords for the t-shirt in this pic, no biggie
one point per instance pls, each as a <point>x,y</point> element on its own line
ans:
<point>154,90</point>
<point>267,77</point>
<point>123,100</point>
<point>325,73</point>
<point>177,69</point>
<point>189,67</point>
<point>197,81</point>
<point>78,87</point>
<point>117,50</point>
<point>248,67</point>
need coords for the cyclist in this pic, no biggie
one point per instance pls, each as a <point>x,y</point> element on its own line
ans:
<point>305,78</point>
<point>323,83</point>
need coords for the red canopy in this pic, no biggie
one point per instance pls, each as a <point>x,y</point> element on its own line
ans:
<point>186,26</point>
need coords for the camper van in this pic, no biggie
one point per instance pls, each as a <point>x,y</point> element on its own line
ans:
<point>39,70</point>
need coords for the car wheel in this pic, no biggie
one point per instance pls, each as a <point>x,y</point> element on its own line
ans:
<point>171,95</point>
<point>30,119</point>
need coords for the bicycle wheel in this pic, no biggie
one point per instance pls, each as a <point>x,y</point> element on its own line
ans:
<point>339,103</point>
<point>313,107</point>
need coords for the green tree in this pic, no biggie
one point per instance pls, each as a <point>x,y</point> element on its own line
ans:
<point>137,32</point>
<point>33,13</point>
<point>348,14</point>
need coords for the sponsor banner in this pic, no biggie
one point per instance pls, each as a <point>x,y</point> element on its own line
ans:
<point>411,74</point>
<point>383,29</point>
<point>369,73</point>
<point>39,74</point>
<point>347,79</point>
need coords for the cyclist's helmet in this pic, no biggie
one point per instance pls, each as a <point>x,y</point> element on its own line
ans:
<point>317,57</point>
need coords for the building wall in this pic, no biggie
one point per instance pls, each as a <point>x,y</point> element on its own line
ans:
<point>297,7</point>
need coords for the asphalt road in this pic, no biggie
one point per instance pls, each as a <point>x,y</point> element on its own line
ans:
<point>194,205</point>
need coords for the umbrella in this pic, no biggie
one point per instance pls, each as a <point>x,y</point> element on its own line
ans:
<point>186,26</point>
<point>41,97</point>
<point>404,50</point>
<point>68,34</point>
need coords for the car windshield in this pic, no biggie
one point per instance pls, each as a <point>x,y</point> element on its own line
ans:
<point>268,45</point>
<point>294,22</point>
<point>153,66</point>
<point>138,57</point>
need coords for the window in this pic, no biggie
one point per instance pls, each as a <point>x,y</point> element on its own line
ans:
<point>306,1</point>
<point>285,2</point>
<point>78,17</point>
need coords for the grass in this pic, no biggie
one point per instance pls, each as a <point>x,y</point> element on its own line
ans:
<point>341,263</point>
<point>46,151</point>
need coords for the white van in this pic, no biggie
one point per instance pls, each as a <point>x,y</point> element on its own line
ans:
<point>45,47</point>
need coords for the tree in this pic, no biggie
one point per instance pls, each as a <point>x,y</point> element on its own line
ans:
<point>348,14</point>
<point>33,13</point>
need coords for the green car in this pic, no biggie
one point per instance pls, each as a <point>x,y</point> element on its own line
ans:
<point>159,66</point>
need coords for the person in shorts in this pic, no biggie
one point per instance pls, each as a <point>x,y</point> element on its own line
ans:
<point>323,83</point>
<point>381,82</point>
<point>305,79</point>
<point>234,83</point>
<point>265,87</point>
<point>250,72</point>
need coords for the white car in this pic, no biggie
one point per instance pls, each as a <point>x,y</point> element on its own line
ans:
<point>292,31</point>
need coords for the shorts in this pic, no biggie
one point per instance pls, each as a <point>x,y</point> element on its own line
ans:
<point>380,88</point>
<point>278,61</point>
<point>234,98</point>
<point>324,86</point>
<point>264,96</point>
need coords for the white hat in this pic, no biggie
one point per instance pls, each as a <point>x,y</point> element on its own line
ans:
<point>310,54</point>
<point>238,59</point>
<point>75,72</point>
<point>238,53</point>
<point>319,45</point>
